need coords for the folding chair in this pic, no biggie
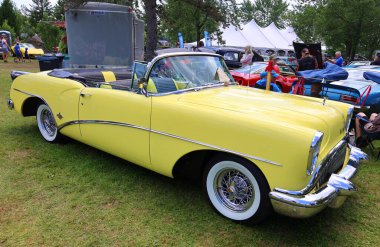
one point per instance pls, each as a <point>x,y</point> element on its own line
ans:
<point>370,137</point>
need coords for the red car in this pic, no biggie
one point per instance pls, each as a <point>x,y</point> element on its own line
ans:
<point>249,75</point>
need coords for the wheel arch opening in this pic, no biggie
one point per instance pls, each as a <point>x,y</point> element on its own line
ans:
<point>30,106</point>
<point>192,164</point>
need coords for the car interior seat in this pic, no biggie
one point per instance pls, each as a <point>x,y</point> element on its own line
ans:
<point>164,85</point>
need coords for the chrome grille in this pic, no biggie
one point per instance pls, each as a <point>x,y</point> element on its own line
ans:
<point>333,163</point>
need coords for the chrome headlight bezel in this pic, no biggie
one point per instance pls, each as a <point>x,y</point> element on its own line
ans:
<point>350,113</point>
<point>315,147</point>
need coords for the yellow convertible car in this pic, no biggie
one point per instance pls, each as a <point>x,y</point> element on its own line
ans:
<point>32,50</point>
<point>183,115</point>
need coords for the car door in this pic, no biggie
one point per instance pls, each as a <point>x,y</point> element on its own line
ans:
<point>116,121</point>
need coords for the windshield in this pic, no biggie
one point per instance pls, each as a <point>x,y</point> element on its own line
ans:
<point>28,45</point>
<point>255,68</point>
<point>183,72</point>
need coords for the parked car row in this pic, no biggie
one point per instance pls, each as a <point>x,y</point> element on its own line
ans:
<point>354,90</point>
<point>32,50</point>
<point>232,56</point>
<point>347,91</point>
<point>249,75</point>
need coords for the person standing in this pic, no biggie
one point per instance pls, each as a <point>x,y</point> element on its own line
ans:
<point>26,55</point>
<point>6,48</point>
<point>247,57</point>
<point>338,59</point>
<point>307,61</point>
<point>17,50</point>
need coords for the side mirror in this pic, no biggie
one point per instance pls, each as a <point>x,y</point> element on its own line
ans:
<point>142,86</point>
<point>141,81</point>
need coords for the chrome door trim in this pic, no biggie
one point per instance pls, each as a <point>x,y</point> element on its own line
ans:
<point>166,134</point>
<point>30,94</point>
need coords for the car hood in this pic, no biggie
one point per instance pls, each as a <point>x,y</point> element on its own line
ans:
<point>292,111</point>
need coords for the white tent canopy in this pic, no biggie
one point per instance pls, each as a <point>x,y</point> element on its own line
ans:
<point>252,34</point>
<point>289,34</point>
<point>274,35</point>
<point>231,36</point>
<point>234,37</point>
<point>257,38</point>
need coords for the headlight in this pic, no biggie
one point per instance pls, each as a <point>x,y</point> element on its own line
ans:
<point>314,152</point>
<point>349,117</point>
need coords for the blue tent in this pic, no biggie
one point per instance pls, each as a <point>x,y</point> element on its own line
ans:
<point>330,73</point>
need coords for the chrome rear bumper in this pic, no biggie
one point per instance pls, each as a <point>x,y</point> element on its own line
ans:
<point>333,194</point>
<point>10,104</point>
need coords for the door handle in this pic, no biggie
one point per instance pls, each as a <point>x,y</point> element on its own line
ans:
<point>85,94</point>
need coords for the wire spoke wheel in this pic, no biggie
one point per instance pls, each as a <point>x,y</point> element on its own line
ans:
<point>234,190</point>
<point>46,124</point>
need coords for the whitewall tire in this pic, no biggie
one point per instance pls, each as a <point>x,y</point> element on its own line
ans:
<point>46,124</point>
<point>237,189</point>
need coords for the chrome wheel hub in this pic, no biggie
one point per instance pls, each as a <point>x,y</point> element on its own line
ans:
<point>234,190</point>
<point>48,122</point>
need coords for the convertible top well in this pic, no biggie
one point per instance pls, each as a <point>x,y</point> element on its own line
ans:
<point>120,78</point>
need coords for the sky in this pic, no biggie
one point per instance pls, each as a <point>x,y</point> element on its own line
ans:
<point>27,2</point>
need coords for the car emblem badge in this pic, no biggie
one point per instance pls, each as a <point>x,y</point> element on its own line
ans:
<point>59,116</point>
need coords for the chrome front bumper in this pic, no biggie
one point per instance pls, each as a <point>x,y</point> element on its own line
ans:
<point>333,194</point>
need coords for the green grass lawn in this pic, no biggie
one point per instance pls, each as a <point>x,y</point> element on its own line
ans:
<point>73,195</point>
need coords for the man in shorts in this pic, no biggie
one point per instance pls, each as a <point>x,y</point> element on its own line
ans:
<point>17,50</point>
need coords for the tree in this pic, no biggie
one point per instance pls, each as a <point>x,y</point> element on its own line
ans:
<point>59,10</point>
<point>347,23</point>
<point>38,10</point>
<point>192,17</point>
<point>268,11</point>
<point>351,26</point>
<point>7,27</point>
<point>50,34</point>
<point>150,7</point>
<point>8,13</point>
<point>306,20</point>
<point>247,11</point>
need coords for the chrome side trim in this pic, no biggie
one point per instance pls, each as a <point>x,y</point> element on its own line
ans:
<point>30,94</point>
<point>100,122</point>
<point>33,95</point>
<point>316,175</point>
<point>166,134</point>
<point>217,148</point>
